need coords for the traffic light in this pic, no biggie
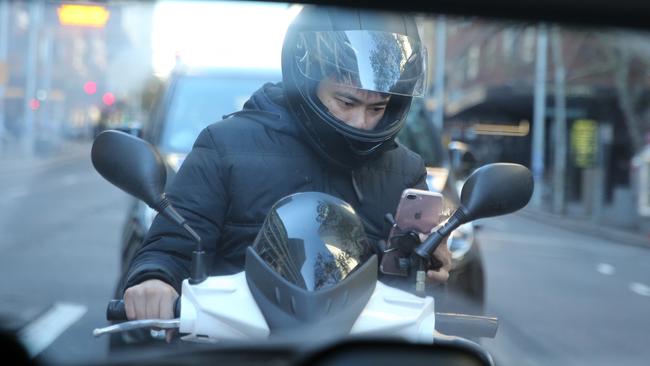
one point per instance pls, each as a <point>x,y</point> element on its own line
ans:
<point>34,104</point>
<point>90,87</point>
<point>108,99</point>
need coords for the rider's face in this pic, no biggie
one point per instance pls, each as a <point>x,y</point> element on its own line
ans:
<point>357,108</point>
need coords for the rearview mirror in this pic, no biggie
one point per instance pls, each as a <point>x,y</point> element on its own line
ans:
<point>131,164</point>
<point>492,190</point>
<point>496,189</point>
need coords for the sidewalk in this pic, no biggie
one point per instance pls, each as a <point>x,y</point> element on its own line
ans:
<point>14,161</point>
<point>586,227</point>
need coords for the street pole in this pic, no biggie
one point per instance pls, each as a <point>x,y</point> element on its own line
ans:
<point>604,141</point>
<point>4,67</point>
<point>30,75</point>
<point>441,45</point>
<point>560,148</point>
<point>47,133</point>
<point>539,116</point>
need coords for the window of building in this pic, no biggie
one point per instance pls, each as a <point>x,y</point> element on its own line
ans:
<point>507,42</point>
<point>528,45</point>
<point>473,62</point>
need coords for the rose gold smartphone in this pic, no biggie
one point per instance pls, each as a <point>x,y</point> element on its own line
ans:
<point>418,211</point>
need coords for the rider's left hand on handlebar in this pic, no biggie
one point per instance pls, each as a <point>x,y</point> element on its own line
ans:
<point>442,255</point>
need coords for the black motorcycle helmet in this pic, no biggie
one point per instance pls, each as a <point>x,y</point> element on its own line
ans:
<point>311,268</point>
<point>369,50</point>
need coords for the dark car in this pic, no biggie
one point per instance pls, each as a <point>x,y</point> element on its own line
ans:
<point>190,101</point>
<point>447,168</point>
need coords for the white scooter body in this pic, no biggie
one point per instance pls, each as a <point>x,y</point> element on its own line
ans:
<point>223,308</point>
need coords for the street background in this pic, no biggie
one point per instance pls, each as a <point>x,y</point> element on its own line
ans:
<point>568,276</point>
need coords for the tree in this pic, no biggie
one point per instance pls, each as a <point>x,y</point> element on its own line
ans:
<point>630,63</point>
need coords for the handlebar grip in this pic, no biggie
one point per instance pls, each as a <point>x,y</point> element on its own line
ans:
<point>463,325</point>
<point>116,311</point>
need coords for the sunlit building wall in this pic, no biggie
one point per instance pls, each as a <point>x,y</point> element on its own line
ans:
<point>490,72</point>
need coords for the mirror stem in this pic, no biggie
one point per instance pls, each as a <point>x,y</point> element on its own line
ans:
<point>199,264</point>
<point>426,249</point>
<point>195,236</point>
<point>167,210</point>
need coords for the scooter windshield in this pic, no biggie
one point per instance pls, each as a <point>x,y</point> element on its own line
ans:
<point>312,240</point>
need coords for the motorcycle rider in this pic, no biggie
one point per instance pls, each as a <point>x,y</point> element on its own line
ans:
<point>348,78</point>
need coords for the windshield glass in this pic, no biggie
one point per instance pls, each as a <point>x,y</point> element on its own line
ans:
<point>568,276</point>
<point>199,101</point>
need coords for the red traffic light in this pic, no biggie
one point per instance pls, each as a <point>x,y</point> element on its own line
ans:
<point>90,87</point>
<point>34,104</point>
<point>108,99</point>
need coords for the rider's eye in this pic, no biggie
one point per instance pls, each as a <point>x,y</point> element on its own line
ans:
<point>345,103</point>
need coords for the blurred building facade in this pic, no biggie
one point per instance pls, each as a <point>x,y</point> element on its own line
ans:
<point>604,78</point>
<point>58,73</point>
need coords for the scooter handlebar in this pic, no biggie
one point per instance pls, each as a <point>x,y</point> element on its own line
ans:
<point>116,311</point>
<point>462,325</point>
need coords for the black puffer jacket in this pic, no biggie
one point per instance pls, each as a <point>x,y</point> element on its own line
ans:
<point>239,167</point>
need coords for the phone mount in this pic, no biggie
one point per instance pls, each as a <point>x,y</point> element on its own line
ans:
<point>404,265</point>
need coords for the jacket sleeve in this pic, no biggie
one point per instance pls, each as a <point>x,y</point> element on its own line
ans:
<point>199,194</point>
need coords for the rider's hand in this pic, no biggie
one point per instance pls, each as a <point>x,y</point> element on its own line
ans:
<point>151,299</point>
<point>443,255</point>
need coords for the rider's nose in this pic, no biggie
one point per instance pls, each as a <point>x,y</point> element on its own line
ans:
<point>359,120</point>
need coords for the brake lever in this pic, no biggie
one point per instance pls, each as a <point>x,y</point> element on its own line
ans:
<point>137,324</point>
